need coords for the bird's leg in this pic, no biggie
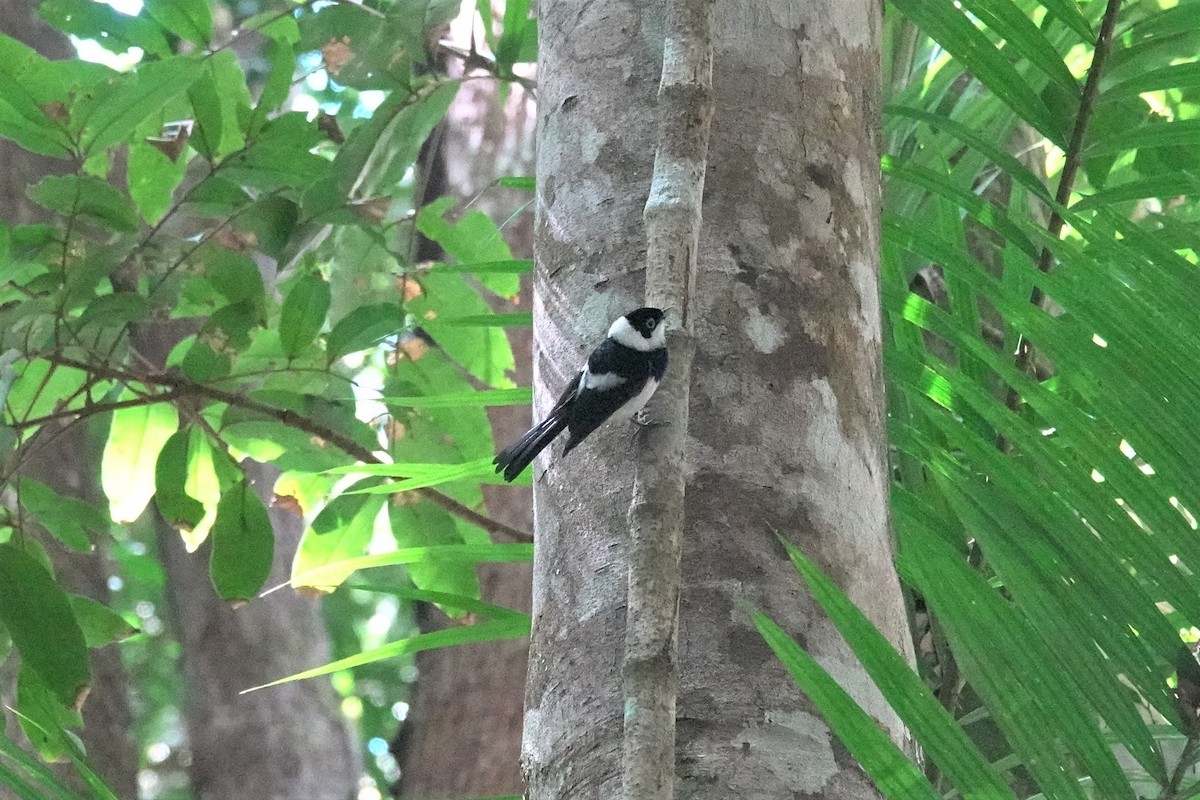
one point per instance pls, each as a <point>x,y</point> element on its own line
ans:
<point>642,420</point>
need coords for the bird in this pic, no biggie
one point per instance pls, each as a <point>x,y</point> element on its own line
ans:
<point>621,375</point>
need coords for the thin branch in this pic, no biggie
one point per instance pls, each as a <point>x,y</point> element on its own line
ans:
<point>673,218</point>
<point>1187,759</point>
<point>472,59</point>
<point>80,414</point>
<point>1073,161</point>
<point>182,386</point>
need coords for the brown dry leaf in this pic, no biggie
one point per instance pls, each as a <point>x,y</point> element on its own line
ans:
<point>337,53</point>
<point>410,289</point>
<point>415,348</point>
<point>405,498</point>
<point>238,241</point>
<point>288,503</point>
<point>173,139</point>
<point>57,111</point>
<point>328,125</point>
<point>372,210</point>
<point>396,431</point>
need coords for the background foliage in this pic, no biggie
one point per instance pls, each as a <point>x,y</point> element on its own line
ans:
<point>1039,285</point>
<point>274,251</point>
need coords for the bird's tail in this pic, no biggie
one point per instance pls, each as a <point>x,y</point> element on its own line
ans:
<point>513,459</point>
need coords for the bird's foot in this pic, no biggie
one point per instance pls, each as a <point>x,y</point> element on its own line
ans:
<point>643,420</point>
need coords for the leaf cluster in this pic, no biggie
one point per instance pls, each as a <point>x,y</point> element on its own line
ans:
<point>214,278</point>
<point>1039,286</point>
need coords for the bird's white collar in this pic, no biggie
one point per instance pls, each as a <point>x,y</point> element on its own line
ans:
<point>623,333</point>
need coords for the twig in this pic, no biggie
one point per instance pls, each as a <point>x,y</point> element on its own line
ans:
<point>1187,758</point>
<point>673,217</point>
<point>1071,164</point>
<point>472,59</point>
<point>182,386</point>
<point>80,414</point>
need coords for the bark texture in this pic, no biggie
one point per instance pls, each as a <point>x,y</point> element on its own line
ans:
<point>673,220</point>
<point>286,742</point>
<point>786,426</point>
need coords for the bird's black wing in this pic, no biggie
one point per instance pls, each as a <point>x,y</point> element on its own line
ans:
<point>513,459</point>
<point>621,373</point>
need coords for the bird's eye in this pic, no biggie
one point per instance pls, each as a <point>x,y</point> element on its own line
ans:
<point>650,324</point>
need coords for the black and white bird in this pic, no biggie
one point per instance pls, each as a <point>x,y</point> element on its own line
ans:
<point>621,375</point>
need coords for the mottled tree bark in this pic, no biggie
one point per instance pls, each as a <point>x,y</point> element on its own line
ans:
<point>786,429</point>
<point>463,733</point>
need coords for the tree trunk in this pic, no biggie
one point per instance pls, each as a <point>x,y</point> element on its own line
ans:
<point>70,463</point>
<point>787,417</point>
<point>286,742</point>
<point>462,737</point>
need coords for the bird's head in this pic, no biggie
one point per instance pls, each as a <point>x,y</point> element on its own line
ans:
<point>642,329</point>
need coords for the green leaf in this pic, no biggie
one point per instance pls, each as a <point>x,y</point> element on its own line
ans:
<point>513,267</point>
<point>243,544</point>
<point>335,410</point>
<point>521,396</point>
<point>470,605</point>
<point>271,441</point>
<point>892,772</point>
<point>100,624</point>
<point>116,309</point>
<point>72,195</point>
<point>279,156</point>
<point>221,102</point>
<point>516,319</point>
<point>483,351</point>
<point>33,106</point>
<point>217,197</point>
<point>303,313</point>
<point>115,109</point>
<point>516,19</point>
<point>282,35</point>
<point>39,387</point>
<point>43,718</point>
<point>35,769</point>
<point>420,476</point>
<point>341,531</point>
<point>234,275</point>
<point>178,508</point>
<point>422,524</point>
<point>202,363</point>
<point>367,51</point>
<point>494,631</point>
<point>127,468</point>
<point>1009,21</point>
<point>467,553</point>
<point>207,471</point>
<point>71,521</point>
<point>939,735</point>
<point>378,153</point>
<point>524,183</point>
<point>364,327</point>
<point>118,32</point>
<point>272,220</point>
<point>38,616</point>
<point>190,20</point>
<point>947,24</point>
<point>472,238</point>
<point>225,334</point>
